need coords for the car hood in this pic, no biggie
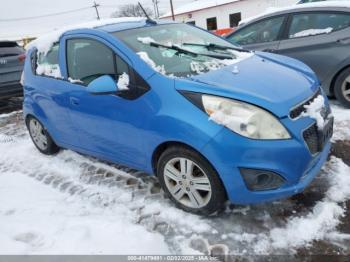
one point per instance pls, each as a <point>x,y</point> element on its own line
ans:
<point>273,82</point>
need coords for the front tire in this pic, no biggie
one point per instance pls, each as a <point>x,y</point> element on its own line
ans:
<point>40,137</point>
<point>190,181</point>
<point>342,88</point>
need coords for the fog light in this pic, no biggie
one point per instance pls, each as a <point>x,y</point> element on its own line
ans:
<point>260,180</point>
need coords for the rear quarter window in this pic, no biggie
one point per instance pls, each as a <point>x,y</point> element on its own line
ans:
<point>48,64</point>
<point>316,23</point>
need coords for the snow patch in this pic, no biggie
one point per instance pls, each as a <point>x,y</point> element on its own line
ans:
<point>45,42</point>
<point>49,70</point>
<point>75,81</point>
<point>233,118</point>
<point>215,64</point>
<point>57,224</point>
<point>311,32</point>
<point>144,56</point>
<point>341,122</point>
<point>314,109</point>
<point>146,40</point>
<point>325,216</point>
<point>123,82</point>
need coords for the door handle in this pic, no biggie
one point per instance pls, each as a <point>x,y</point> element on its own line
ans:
<point>74,101</point>
<point>344,40</point>
<point>270,50</point>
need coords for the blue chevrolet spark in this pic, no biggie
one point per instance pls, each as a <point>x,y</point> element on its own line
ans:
<point>213,121</point>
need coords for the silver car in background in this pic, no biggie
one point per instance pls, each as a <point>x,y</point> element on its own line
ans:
<point>12,58</point>
<point>318,34</point>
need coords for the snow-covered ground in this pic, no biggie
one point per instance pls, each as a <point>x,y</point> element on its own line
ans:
<point>72,204</point>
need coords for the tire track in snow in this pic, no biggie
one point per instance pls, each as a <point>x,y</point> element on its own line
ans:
<point>102,184</point>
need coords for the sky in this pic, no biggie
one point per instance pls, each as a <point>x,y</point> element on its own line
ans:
<point>14,9</point>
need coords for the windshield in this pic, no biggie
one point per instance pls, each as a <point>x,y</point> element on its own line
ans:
<point>181,50</point>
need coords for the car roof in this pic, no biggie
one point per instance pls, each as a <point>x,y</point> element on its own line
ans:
<point>343,6</point>
<point>110,28</point>
<point>45,42</point>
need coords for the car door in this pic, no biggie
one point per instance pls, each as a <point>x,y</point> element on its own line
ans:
<point>319,38</point>
<point>262,35</point>
<point>109,126</point>
<point>50,94</point>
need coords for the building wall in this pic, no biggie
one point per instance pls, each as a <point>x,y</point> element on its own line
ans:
<point>248,8</point>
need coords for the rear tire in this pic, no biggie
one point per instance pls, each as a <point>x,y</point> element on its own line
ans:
<point>190,181</point>
<point>342,88</point>
<point>40,137</point>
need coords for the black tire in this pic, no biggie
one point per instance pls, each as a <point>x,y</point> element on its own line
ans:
<point>51,148</point>
<point>338,88</point>
<point>218,194</point>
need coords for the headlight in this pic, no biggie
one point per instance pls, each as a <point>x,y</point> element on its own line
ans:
<point>243,118</point>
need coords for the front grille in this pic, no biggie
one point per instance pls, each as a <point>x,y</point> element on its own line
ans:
<point>311,138</point>
<point>297,111</point>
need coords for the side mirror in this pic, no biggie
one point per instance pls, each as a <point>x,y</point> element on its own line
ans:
<point>102,86</point>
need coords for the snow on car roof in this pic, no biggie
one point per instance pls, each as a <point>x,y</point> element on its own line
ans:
<point>273,10</point>
<point>45,42</point>
<point>198,5</point>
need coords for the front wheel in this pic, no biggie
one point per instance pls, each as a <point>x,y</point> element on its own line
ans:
<point>190,181</point>
<point>40,137</point>
<point>342,88</point>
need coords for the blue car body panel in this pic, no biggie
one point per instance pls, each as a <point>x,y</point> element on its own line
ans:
<point>129,131</point>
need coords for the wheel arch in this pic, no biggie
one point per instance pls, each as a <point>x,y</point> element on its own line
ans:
<point>27,117</point>
<point>165,145</point>
<point>334,79</point>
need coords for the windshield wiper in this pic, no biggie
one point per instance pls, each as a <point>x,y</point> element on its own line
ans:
<point>189,52</point>
<point>211,46</point>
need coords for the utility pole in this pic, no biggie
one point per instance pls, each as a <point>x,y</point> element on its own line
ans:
<point>97,13</point>
<point>156,9</point>
<point>172,10</point>
<point>156,1</point>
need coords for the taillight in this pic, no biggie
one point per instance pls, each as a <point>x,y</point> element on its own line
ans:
<point>21,58</point>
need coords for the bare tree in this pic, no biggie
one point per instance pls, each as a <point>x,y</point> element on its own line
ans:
<point>132,10</point>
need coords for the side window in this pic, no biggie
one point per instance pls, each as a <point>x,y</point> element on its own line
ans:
<point>309,24</point>
<point>259,32</point>
<point>88,59</point>
<point>48,64</point>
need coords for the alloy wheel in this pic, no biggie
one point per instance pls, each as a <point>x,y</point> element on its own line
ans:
<point>187,182</point>
<point>346,88</point>
<point>38,134</point>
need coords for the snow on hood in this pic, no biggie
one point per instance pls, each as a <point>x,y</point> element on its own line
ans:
<point>45,42</point>
<point>274,86</point>
<point>273,10</point>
